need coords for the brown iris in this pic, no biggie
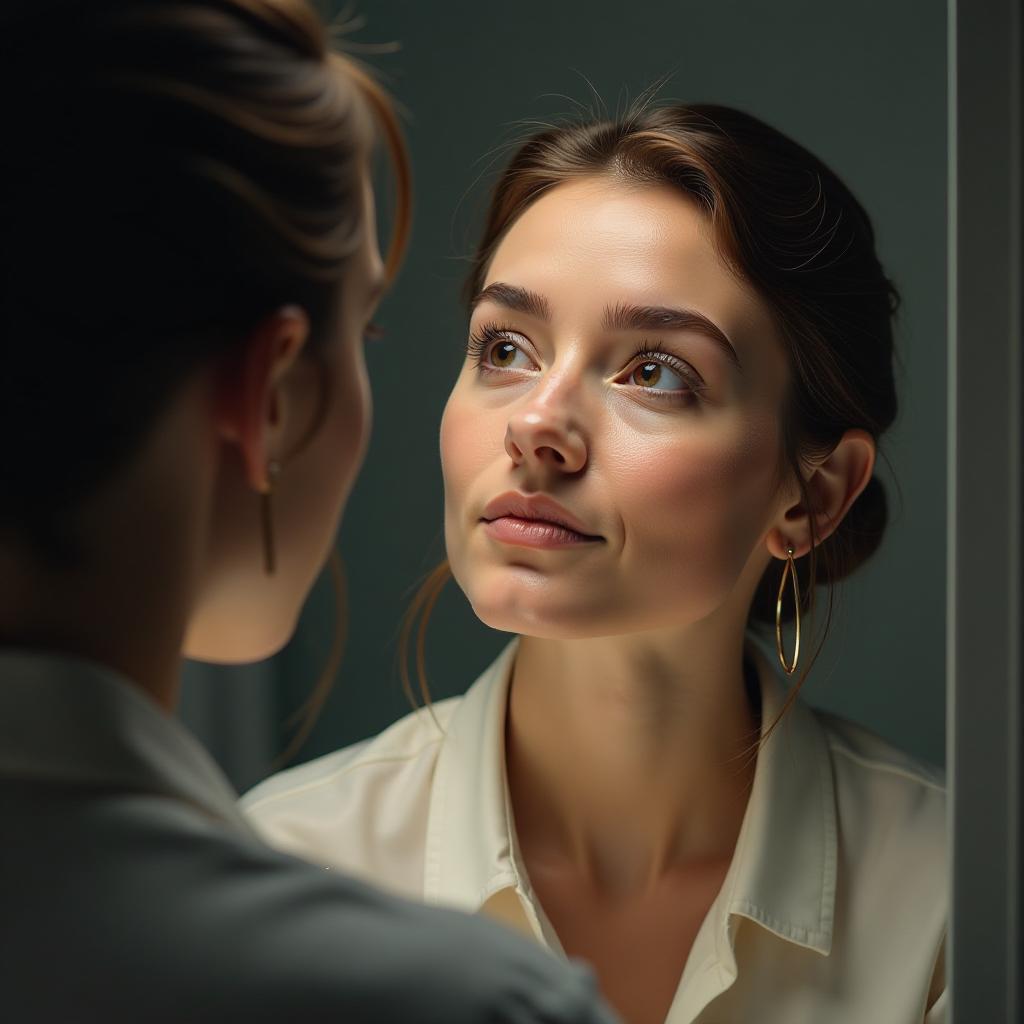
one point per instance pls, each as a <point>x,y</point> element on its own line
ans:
<point>503,353</point>
<point>647,374</point>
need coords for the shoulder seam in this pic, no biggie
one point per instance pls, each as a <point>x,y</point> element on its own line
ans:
<point>885,766</point>
<point>338,773</point>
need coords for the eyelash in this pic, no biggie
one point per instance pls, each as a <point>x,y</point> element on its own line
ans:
<point>654,353</point>
<point>487,334</point>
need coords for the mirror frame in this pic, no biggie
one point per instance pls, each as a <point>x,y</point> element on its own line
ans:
<point>985,579</point>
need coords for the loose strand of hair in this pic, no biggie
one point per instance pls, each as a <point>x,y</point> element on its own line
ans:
<point>383,110</point>
<point>309,712</point>
<point>421,607</point>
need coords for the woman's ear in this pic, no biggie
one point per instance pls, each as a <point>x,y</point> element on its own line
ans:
<point>832,486</point>
<point>249,400</point>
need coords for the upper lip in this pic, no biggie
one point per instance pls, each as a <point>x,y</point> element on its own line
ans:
<point>534,506</point>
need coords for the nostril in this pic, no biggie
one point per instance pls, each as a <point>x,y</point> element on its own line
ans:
<point>546,452</point>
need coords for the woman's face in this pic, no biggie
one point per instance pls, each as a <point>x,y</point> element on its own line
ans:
<point>618,369</point>
<point>324,406</point>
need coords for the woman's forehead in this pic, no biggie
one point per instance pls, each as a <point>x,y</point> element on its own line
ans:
<point>589,245</point>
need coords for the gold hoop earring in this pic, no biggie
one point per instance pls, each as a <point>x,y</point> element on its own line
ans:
<point>788,570</point>
<point>267,517</point>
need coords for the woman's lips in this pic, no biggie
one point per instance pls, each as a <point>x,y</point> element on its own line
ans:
<point>534,533</point>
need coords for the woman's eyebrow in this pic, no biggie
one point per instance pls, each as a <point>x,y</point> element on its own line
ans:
<point>511,296</point>
<point>626,317</point>
<point>620,317</point>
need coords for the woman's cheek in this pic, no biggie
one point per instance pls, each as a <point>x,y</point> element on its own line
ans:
<point>699,496</point>
<point>462,460</point>
<point>467,446</point>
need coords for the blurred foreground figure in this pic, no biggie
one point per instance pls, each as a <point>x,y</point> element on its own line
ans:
<point>189,264</point>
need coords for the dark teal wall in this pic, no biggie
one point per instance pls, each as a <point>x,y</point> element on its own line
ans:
<point>864,86</point>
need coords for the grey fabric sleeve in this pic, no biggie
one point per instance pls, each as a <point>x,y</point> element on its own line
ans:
<point>134,908</point>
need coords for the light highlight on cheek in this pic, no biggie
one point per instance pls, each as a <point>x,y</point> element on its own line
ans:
<point>470,442</point>
<point>686,498</point>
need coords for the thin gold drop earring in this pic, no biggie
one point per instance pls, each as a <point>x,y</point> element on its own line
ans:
<point>788,570</point>
<point>267,517</point>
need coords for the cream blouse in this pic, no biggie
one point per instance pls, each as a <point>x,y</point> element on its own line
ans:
<point>833,909</point>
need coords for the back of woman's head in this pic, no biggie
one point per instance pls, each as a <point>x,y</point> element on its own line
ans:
<point>171,171</point>
<point>785,223</point>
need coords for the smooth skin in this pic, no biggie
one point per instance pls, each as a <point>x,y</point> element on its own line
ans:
<point>628,702</point>
<point>174,545</point>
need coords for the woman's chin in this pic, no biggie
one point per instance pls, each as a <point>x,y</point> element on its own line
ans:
<point>237,646</point>
<point>536,618</point>
<point>527,601</point>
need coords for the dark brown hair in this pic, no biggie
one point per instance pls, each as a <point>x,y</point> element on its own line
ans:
<point>785,223</point>
<point>171,172</point>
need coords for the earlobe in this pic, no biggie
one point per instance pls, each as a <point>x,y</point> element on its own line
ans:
<point>833,485</point>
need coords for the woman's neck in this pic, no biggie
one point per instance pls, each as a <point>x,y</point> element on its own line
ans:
<point>629,756</point>
<point>102,619</point>
<point>125,601</point>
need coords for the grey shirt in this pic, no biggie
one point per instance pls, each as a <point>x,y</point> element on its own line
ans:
<point>131,889</point>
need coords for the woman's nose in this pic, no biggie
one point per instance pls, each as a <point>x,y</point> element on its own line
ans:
<point>542,437</point>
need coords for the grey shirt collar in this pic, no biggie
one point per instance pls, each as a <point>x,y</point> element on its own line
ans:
<point>68,721</point>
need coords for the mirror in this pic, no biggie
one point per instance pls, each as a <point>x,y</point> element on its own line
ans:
<point>873,108</point>
<point>865,87</point>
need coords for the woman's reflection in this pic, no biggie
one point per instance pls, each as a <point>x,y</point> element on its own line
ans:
<point>662,440</point>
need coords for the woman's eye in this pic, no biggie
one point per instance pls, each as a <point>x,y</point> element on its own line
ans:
<point>656,376</point>
<point>503,355</point>
<point>494,349</point>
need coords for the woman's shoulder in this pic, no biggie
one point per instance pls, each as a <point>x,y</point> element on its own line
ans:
<point>413,738</point>
<point>362,808</point>
<point>867,762</point>
<point>892,878</point>
<point>324,943</point>
<point>204,923</point>
<point>891,806</point>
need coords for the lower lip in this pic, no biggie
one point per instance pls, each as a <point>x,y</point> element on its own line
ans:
<point>535,533</point>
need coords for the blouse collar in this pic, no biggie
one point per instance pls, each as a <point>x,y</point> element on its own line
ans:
<point>74,722</point>
<point>783,871</point>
